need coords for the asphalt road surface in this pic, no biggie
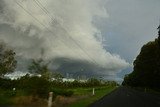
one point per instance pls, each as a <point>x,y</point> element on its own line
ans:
<point>127,97</point>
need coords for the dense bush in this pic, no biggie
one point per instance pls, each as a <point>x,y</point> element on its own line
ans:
<point>146,67</point>
<point>39,86</point>
<point>34,85</point>
<point>92,82</point>
<point>7,60</point>
<point>7,83</point>
<point>62,92</point>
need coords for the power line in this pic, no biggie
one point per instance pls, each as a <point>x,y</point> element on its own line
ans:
<point>47,12</point>
<point>29,14</point>
<point>44,9</point>
<point>38,21</point>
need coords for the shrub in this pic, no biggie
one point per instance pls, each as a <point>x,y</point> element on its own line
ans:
<point>36,86</point>
<point>62,92</point>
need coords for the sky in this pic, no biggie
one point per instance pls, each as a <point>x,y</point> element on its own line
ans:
<point>80,37</point>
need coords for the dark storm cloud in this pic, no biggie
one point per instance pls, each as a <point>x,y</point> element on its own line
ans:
<point>75,19</point>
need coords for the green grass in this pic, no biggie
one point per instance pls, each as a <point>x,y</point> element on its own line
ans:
<point>99,93</point>
<point>83,95</point>
<point>5,97</point>
<point>4,100</point>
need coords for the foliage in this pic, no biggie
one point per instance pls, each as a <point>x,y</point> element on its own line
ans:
<point>58,91</point>
<point>35,89</point>
<point>93,82</point>
<point>7,83</point>
<point>57,76</point>
<point>146,67</point>
<point>35,86</point>
<point>40,67</point>
<point>7,60</point>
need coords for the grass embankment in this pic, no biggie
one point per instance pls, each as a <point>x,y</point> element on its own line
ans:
<point>86,95</point>
<point>5,97</point>
<point>82,97</point>
<point>20,98</point>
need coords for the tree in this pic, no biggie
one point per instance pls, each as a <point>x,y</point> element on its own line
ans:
<point>146,67</point>
<point>158,34</point>
<point>57,76</point>
<point>40,67</point>
<point>93,82</point>
<point>159,30</point>
<point>7,60</point>
<point>34,85</point>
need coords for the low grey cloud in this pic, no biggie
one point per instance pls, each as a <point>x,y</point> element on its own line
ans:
<point>67,30</point>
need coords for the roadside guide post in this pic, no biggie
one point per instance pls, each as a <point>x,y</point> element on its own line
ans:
<point>93,93</point>
<point>50,99</point>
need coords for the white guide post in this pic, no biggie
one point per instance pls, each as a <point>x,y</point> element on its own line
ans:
<point>50,99</point>
<point>93,93</point>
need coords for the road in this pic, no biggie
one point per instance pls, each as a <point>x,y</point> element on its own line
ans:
<point>127,97</point>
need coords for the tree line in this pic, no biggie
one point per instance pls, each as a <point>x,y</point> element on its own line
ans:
<point>146,71</point>
<point>39,85</point>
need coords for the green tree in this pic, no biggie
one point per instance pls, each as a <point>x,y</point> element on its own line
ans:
<point>146,67</point>
<point>93,82</point>
<point>7,60</point>
<point>57,76</point>
<point>34,85</point>
<point>40,67</point>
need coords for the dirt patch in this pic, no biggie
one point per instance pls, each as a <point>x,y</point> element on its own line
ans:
<point>59,101</point>
<point>29,101</point>
<point>62,101</point>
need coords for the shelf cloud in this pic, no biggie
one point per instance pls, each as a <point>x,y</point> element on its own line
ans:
<point>58,30</point>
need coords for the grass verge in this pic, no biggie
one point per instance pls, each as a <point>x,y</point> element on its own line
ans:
<point>89,99</point>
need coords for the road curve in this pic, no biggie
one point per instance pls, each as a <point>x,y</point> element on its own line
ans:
<point>127,97</point>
